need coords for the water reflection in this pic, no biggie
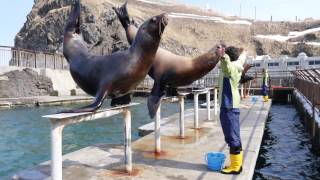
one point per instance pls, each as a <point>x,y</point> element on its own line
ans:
<point>286,150</point>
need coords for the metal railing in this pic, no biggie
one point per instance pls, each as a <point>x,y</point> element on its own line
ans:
<point>59,121</point>
<point>11,56</point>
<point>308,83</point>
<point>276,78</point>
<point>181,98</point>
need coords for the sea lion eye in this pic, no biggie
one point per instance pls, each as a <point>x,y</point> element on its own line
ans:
<point>154,19</point>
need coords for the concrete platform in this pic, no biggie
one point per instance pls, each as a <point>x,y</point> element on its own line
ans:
<point>180,159</point>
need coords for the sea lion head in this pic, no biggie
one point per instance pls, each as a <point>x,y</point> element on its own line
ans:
<point>150,31</point>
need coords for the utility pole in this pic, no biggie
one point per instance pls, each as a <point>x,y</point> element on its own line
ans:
<point>240,10</point>
<point>255,13</point>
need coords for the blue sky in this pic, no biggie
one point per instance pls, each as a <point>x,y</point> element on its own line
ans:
<point>12,17</point>
<point>13,12</point>
<point>279,9</point>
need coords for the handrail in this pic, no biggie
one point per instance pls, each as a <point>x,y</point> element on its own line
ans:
<point>59,121</point>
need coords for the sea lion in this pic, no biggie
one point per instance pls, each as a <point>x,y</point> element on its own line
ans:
<point>168,69</point>
<point>110,75</point>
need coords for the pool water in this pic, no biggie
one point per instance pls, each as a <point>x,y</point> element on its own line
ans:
<point>286,151</point>
<point>25,136</point>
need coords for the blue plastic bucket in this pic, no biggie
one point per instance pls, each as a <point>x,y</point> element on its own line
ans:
<point>254,99</point>
<point>215,160</point>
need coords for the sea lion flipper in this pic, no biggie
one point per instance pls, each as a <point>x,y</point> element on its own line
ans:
<point>154,99</point>
<point>126,99</point>
<point>73,23</point>
<point>123,15</point>
<point>245,79</point>
<point>153,105</point>
<point>92,107</point>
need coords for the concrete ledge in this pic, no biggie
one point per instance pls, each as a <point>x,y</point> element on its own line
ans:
<point>6,103</point>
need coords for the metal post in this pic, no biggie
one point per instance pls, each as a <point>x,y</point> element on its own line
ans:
<point>181,122</point>
<point>196,111</point>
<point>157,131</point>
<point>215,101</point>
<point>127,140</point>
<point>56,150</point>
<point>208,106</point>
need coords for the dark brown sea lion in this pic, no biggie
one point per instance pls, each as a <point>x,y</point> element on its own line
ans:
<point>110,75</point>
<point>168,69</point>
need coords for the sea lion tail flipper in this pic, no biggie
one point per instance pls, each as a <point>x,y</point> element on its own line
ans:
<point>123,15</point>
<point>73,23</point>
<point>126,99</point>
<point>92,107</point>
<point>153,105</point>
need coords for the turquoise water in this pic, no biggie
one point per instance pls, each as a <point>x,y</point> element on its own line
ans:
<point>25,136</point>
<point>286,151</point>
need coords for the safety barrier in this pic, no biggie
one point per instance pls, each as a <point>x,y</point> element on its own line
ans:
<point>11,56</point>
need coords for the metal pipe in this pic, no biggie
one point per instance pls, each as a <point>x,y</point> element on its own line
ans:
<point>157,131</point>
<point>127,140</point>
<point>56,150</point>
<point>181,122</point>
<point>208,106</point>
<point>196,111</point>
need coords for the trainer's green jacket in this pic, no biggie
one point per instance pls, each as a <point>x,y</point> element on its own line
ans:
<point>229,77</point>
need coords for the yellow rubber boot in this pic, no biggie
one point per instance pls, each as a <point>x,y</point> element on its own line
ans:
<point>235,165</point>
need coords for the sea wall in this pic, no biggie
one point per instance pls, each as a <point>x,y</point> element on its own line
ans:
<point>25,82</point>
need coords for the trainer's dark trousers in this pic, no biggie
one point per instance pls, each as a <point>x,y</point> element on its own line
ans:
<point>230,122</point>
<point>264,90</point>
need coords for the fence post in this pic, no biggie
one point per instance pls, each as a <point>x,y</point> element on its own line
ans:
<point>208,105</point>
<point>215,101</point>
<point>181,122</point>
<point>196,110</point>
<point>54,61</point>
<point>62,59</point>
<point>157,130</point>
<point>19,57</point>
<point>127,140</point>
<point>45,60</point>
<point>35,60</point>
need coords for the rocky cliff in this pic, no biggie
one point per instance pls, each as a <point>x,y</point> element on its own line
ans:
<point>191,31</point>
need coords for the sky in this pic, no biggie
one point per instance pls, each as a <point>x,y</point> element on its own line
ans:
<point>13,15</point>
<point>13,12</point>
<point>279,9</point>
